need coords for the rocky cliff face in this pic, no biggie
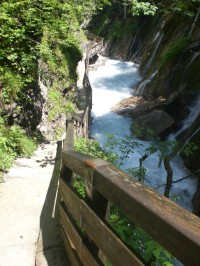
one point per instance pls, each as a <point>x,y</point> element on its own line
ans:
<point>169,64</point>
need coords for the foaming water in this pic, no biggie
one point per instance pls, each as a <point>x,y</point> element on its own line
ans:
<point>111,83</point>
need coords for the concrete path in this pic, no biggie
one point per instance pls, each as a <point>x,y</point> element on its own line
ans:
<point>29,224</point>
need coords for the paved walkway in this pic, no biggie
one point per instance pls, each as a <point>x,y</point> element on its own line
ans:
<point>29,226</point>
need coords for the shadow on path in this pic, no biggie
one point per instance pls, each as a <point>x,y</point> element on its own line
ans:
<point>50,250</point>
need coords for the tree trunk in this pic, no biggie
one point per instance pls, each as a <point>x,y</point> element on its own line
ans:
<point>184,138</point>
<point>196,200</point>
<point>141,168</point>
<point>169,176</point>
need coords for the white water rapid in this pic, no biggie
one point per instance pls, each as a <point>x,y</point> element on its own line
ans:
<point>194,112</point>
<point>111,82</point>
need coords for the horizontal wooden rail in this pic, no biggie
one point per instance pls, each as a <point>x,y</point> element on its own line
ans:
<point>170,225</point>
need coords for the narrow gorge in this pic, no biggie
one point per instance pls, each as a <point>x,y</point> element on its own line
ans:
<point>115,86</point>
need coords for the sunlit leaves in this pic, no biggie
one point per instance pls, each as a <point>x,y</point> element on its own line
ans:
<point>23,25</point>
<point>145,8</point>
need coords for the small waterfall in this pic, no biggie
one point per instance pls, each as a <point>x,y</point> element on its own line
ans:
<point>140,90</point>
<point>156,43</point>
<point>159,38</point>
<point>194,112</point>
<point>192,60</point>
<point>194,23</point>
<point>130,57</point>
<point>193,134</point>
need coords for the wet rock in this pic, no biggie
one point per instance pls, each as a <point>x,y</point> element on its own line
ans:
<point>132,106</point>
<point>138,106</point>
<point>157,121</point>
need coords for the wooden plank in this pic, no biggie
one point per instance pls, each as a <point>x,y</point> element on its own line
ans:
<point>71,232</point>
<point>77,239</point>
<point>76,161</point>
<point>96,201</point>
<point>71,253</point>
<point>172,226</point>
<point>106,240</point>
<point>71,202</point>
<point>69,138</point>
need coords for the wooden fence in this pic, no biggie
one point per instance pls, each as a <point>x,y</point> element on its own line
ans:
<point>170,225</point>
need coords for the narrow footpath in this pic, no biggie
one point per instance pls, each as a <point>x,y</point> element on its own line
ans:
<point>29,222</point>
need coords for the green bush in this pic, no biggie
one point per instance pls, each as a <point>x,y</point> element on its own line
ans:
<point>13,142</point>
<point>20,142</point>
<point>92,147</point>
<point>138,240</point>
<point>57,104</point>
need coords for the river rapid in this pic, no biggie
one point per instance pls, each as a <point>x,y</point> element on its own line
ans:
<point>112,81</point>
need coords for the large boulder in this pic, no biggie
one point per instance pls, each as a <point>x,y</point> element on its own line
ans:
<point>137,106</point>
<point>131,107</point>
<point>156,121</point>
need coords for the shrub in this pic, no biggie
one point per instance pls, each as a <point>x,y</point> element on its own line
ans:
<point>13,143</point>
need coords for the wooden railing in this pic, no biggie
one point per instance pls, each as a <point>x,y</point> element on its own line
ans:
<point>170,225</point>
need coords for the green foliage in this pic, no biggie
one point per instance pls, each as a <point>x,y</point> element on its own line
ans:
<point>117,30</point>
<point>69,107</point>
<point>142,132</point>
<point>139,240</point>
<point>55,99</point>
<point>7,79</point>
<point>92,147</point>
<point>185,7</point>
<point>174,50</point>
<point>121,28</point>
<point>19,142</point>
<point>79,185</point>
<point>13,143</point>
<point>146,8</point>
<point>139,172</point>
<point>48,29</point>
<point>190,148</point>
<point>56,103</point>
<point>126,146</point>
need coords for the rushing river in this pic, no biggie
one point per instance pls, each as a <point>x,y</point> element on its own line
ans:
<point>111,82</point>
